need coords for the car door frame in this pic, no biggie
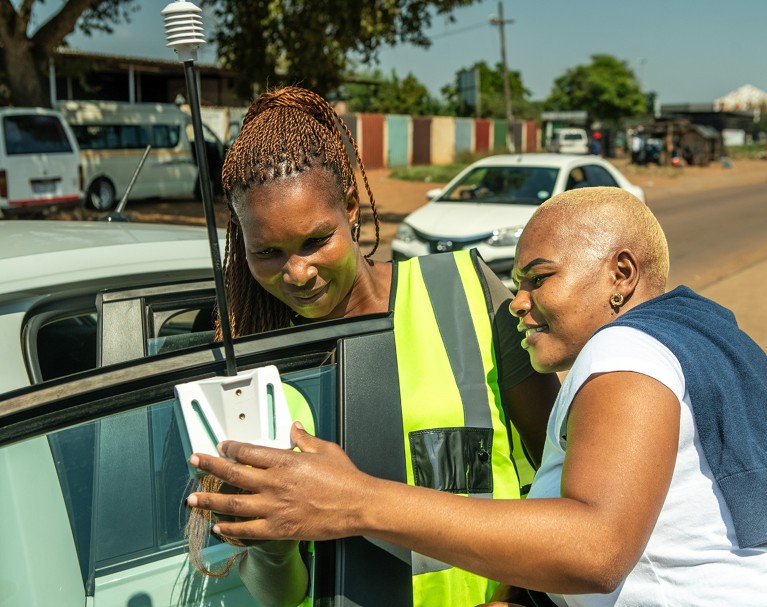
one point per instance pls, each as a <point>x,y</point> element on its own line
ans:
<point>348,572</point>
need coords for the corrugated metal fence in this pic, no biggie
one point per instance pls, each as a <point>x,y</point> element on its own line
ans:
<point>396,140</point>
<point>389,140</point>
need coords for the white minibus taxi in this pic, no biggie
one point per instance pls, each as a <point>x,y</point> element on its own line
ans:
<point>113,136</point>
<point>39,161</point>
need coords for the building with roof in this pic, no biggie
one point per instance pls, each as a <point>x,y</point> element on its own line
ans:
<point>78,75</point>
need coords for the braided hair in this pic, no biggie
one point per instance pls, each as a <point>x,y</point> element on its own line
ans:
<point>284,132</point>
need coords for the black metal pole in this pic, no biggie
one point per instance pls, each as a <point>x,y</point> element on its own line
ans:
<point>210,217</point>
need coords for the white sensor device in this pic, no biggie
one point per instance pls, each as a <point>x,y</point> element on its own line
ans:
<point>183,29</point>
<point>249,407</point>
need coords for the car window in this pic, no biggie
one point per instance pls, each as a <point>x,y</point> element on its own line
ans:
<point>124,479</point>
<point>97,468</point>
<point>599,176</point>
<point>34,134</point>
<point>70,336</point>
<point>576,179</point>
<point>504,185</point>
<point>67,345</point>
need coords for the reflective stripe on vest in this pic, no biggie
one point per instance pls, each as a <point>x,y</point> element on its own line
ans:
<point>449,384</point>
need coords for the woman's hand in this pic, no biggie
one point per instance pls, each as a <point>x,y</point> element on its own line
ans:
<point>308,495</point>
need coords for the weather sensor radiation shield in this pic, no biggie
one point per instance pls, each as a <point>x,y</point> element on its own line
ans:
<point>249,407</point>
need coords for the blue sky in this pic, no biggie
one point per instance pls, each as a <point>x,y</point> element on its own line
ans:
<point>685,50</point>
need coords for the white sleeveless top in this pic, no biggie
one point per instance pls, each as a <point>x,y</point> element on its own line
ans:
<point>692,556</point>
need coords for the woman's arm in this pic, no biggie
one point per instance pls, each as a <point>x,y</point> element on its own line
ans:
<point>274,573</point>
<point>622,441</point>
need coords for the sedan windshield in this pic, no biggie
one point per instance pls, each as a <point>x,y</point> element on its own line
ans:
<point>504,184</point>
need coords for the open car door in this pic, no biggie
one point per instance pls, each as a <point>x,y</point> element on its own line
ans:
<point>95,475</point>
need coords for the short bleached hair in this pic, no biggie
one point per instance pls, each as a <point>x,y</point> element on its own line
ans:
<point>609,219</point>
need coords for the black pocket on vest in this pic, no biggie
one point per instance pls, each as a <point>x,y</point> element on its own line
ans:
<point>457,460</point>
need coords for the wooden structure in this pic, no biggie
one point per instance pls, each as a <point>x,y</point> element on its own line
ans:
<point>695,144</point>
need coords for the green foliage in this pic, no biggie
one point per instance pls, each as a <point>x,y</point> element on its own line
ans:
<point>437,174</point>
<point>492,102</point>
<point>311,42</point>
<point>29,39</point>
<point>607,90</point>
<point>103,15</point>
<point>428,173</point>
<point>375,93</point>
<point>751,151</point>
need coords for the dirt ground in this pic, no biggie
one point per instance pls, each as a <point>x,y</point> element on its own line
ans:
<point>395,199</point>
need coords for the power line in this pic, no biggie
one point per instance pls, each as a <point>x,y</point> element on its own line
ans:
<point>460,30</point>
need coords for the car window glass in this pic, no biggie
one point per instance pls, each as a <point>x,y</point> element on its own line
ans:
<point>34,134</point>
<point>180,328</point>
<point>67,342</point>
<point>504,184</point>
<point>576,179</point>
<point>67,345</point>
<point>598,176</point>
<point>124,479</point>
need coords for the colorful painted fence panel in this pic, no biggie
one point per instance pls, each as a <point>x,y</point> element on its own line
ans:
<point>482,135</point>
<point>397,140</point>
<point>442,140</point>
<point>371,127</point>
<point>421,140</point>
<point>499,135</point>
<point>464,135</point>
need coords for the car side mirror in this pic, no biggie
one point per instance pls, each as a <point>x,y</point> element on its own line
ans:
<point>432,194</point>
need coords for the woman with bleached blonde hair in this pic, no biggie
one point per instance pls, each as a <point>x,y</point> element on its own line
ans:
<point>652,487</point>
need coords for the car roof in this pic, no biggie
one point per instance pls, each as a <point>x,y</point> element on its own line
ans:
<point>26,111</point>
<point>543,160</point>
<point>36,254</point>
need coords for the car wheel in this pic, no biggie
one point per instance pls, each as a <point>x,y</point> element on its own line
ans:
<point>101,195</point>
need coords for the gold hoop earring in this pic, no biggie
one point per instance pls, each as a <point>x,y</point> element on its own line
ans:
<point>616,300</point>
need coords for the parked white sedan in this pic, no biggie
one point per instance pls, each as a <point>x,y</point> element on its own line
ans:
<point>487,205</point>
<point>99,322</point>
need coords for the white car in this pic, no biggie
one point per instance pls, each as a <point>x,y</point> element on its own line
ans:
<point>570,141</point>
<point>99,322</point>
<point>487,205</point>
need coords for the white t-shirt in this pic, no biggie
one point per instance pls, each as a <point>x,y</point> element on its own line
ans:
<point>692,556</point>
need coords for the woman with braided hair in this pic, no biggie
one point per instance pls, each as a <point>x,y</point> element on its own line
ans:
<point>293,256</point>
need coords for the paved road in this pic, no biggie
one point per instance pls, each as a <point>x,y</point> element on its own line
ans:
<point>718,246</point>
<point>713,234</point>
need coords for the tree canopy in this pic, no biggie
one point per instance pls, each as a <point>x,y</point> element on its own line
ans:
<point>25,49</point>
<point>374,92</point>
<point>311,43</point>
<point>607,89</point>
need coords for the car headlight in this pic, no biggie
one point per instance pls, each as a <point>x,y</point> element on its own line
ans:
<point>505,237</point>
<point>405,233</point>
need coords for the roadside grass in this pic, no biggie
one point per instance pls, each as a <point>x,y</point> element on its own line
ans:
<point>437,173</point>
<point>752,151</point>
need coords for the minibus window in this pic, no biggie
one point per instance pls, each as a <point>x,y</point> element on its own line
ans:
<point>34,134</point>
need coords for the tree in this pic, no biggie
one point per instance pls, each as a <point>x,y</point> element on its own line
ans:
<point>312,42</point>
<point>607,90</point>
<point>492,103</point>
<point>373,92</point>
<point>26,54</point>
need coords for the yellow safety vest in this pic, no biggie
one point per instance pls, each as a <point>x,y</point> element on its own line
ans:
<point>456,437</point>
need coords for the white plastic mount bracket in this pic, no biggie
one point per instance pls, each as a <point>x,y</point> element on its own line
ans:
<point>249,407</point>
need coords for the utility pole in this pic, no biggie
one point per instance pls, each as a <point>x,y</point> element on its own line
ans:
<point>500,22</point>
